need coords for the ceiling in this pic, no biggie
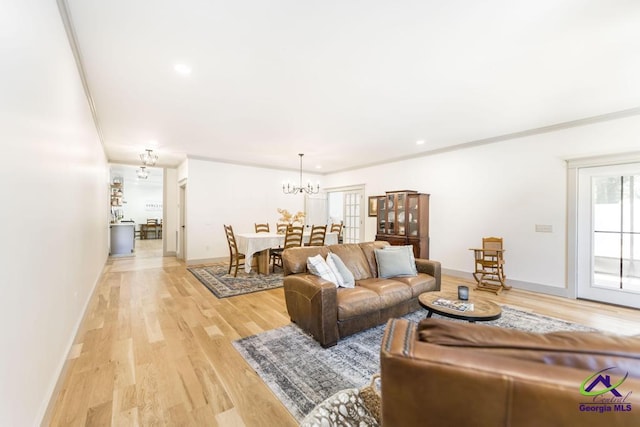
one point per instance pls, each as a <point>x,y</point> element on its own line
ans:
<point>349,83</point>
<point>130,176</point>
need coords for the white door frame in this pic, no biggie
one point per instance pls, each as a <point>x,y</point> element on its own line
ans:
<point>579,241</point>
<point>353,189</point>
<point>182,221</point>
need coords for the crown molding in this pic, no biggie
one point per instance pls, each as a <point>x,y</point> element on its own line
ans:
<point>77,55</point>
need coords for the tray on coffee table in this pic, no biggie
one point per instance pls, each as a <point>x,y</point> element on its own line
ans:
<point>447,304</point>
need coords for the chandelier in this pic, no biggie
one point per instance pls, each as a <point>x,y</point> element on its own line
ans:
<point>142,173</point>
<point>149,158</point>
<point>295,189</point>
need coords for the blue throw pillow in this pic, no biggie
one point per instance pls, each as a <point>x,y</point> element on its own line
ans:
<point>409,250</point>
<point>394,263</point>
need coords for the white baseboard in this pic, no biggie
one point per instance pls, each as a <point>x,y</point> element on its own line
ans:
<point>206,260</point>
<point>527,286</point>
<point>56,388</point>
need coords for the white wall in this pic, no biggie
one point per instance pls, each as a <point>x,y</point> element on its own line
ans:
<point>501,189</point>
<point>54,183</point>
<point>143,200</point>
<point>221,193</point>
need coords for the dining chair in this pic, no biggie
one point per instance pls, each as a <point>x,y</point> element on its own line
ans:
<point>338,228</point>
<point>292,239</point>
<point>151,227</point>
<point>318,233</point>
<point>235,257</point>
<point>261,228</point>
<point>281,227</point>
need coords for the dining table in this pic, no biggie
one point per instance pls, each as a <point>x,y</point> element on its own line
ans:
<point>259,244</point>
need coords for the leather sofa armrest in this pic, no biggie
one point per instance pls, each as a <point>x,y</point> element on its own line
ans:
<point>312,304</point>
<point>432,268</point>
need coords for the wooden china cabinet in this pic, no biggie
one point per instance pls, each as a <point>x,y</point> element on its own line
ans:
<point>403,219</point>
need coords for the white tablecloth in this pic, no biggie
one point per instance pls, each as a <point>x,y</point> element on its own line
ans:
<point>252,243</point>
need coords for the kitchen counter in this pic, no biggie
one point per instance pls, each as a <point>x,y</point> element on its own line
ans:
<point>122,239</point>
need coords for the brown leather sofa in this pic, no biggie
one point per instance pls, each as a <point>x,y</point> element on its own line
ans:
<point>449,373</point>
<point>329,313</point>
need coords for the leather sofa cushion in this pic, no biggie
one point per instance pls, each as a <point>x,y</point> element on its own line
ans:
<point>353,257</point>
<point>391,291</point>
<point>418,284</point>
<point>584,350</point>
<point>296,259</point>
<point>354,302</point>
<point>368,248</point>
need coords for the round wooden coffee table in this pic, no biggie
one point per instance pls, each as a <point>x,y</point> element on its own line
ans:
<point>483,310</point>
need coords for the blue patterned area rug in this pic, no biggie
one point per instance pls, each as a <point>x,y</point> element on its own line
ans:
<point>222,284</point>
<point>302,374</point>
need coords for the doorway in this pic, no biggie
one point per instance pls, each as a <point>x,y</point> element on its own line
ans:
<point>315,208</point>
<point>181,252</point>
<point>608,234</point>
<point>139,202</point>
<point>346,205</point>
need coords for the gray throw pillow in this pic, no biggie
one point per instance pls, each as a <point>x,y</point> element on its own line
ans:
<point>347,276</point>
<point>395,263</point>
<point>409,250</point>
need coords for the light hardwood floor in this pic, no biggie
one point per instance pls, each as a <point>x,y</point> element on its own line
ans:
<point>155,347</point>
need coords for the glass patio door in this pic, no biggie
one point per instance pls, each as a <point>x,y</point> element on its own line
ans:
<point>609,234</point>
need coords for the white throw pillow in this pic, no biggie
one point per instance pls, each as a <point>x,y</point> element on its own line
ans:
<point>319,267</point>
<point>409,250</point>
<point>334,270</point>
<point>348,281</point>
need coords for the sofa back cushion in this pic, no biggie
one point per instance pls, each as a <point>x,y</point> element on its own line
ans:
<point>369,248</point>
<point>353,257</point>
<point>294,260</point>
<point>584,350</point>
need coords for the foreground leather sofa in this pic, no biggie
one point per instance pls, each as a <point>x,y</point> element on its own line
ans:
<point>329,313</point>
<point>447,373</point>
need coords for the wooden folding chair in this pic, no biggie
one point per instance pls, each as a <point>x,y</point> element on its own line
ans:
<point>489,266</point>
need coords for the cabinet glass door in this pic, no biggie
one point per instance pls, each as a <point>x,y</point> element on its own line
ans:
<point>382,215</point>
<point>413,215</point>
<point>391,214</point>
<point>401,214</point>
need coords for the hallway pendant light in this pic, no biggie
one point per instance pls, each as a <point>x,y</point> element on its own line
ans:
<point>142,173</point>
<point>149,158</point>
<point>295,189</point>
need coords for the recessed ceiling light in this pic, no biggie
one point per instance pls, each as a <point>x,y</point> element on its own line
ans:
<point>318,166</point>
<point>420,142</point>
<point>183,69</point>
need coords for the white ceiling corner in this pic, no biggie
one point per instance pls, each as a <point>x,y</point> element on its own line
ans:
<point>348,83</point>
